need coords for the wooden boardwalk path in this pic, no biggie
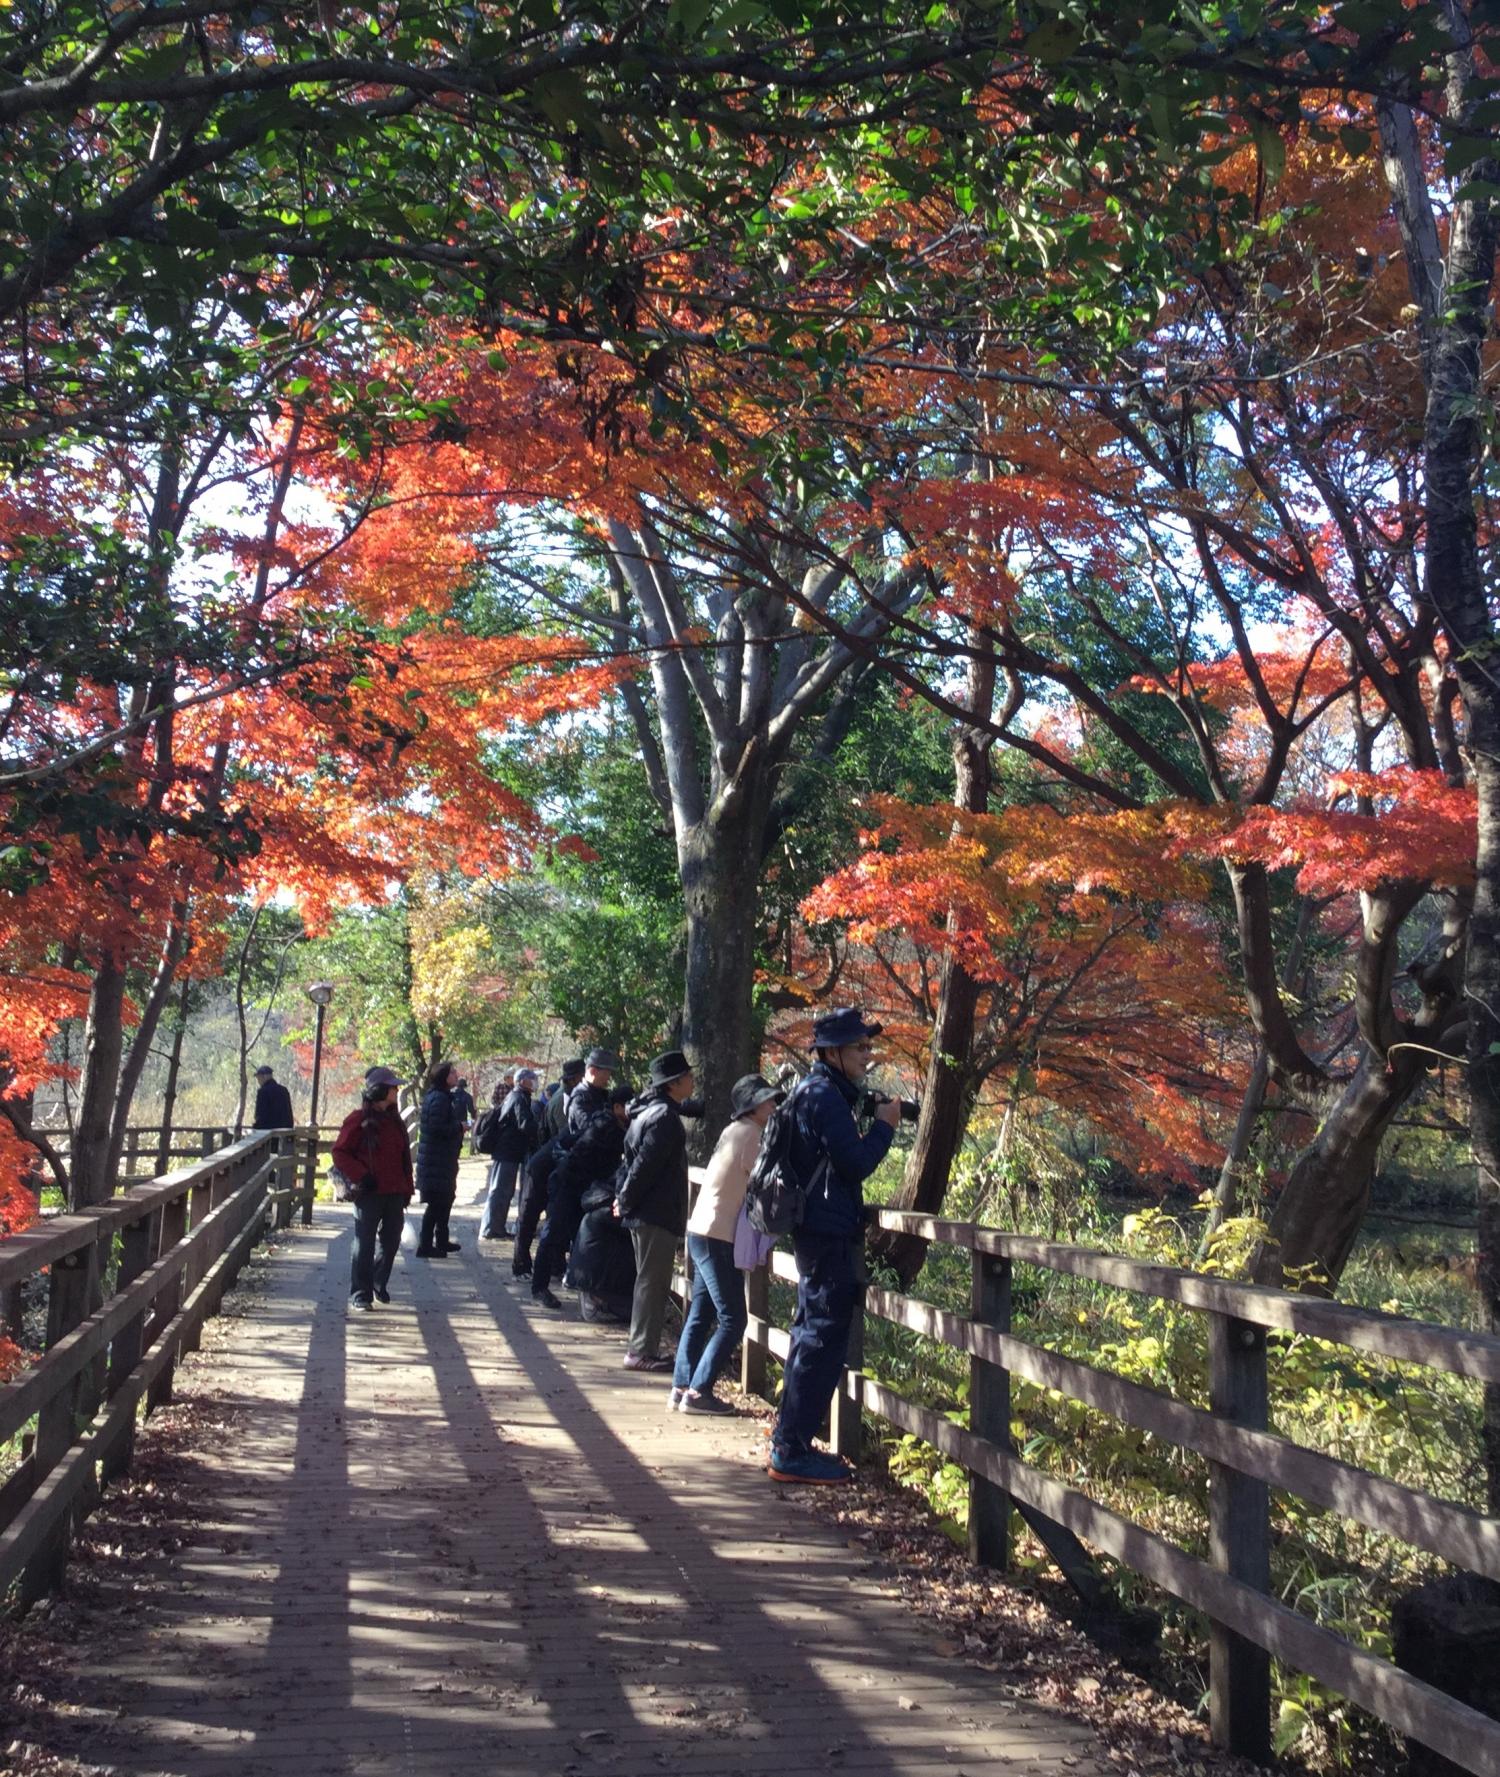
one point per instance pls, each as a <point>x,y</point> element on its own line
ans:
<point>452,1536</point>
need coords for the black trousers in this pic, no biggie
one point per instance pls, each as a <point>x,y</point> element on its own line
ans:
<point>564,1213</point>
<point>385,1216</point>
<point>533,1202</point>
<point>434,1236</point>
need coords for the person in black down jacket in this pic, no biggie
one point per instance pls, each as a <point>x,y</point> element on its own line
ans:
<point>592,1157</point>
<point>512,1141</point>
<point>652,1200</point>
<point>273,1103</point>
<point>438,1152</point>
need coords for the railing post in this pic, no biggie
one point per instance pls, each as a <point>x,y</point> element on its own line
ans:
<point>201,1199</point>
<point>752,1347</point>
<point>847,1412</point>
<point>137,1250</point>
<point>68,1293</point>
<point>173,1225</point>
<point>989,1412</point>
<point>1239,1537</point>
<point>309,1182</point>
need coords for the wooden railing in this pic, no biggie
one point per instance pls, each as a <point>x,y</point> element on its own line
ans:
<point>1246,1458</point>
<point>129,1284</point>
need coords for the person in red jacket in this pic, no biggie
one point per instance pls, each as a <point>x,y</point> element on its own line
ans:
<point>373,1152</point>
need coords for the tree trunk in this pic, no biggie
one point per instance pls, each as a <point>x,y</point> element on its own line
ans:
<point>169,1096</point>
<point>1452,290</point>
<point>1227,1186</point>
<point>91,1176</point>
<point>719,859</point>
<point>242,1021</point>
<point>1322,1205</point>
<point>951,1086</point>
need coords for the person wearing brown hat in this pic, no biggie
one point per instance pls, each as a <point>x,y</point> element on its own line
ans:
<point>652,1201</point>
<point>715,1318</point>
<point>373,1152</point>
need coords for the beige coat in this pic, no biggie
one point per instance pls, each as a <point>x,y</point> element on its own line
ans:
<point>718,1205</point>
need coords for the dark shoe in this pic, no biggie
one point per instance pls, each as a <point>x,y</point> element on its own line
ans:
<point>807,1466</point>
<point>452,1247</point>
<point>359,1302</point>
<point>546,1298</point>
<point>381,1296</point>
<point>427,1252</point>
<point>708,1403</point>
<point>488,1234</point>
<point>631,1362</point>
<point>520,1271</point>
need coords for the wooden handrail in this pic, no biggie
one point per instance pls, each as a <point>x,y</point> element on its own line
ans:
<point>129,1284</point>
<point>1246,1458</point>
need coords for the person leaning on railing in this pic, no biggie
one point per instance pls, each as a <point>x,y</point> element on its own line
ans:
<point>373,1151</point>
<point>716,1318</point>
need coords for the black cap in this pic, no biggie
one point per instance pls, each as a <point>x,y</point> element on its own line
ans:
<point>264,1068</point>
<point>603,1058</point>
<point>620,1095</point>
<point>842,1026</point>
<point>671,1066</point>
<point>750,1092</point>
<point>573,1070</point>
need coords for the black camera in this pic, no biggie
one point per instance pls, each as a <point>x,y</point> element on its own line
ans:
<point>870,1100</point>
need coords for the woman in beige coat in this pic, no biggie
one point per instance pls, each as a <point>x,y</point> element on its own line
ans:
<point>716,1315</point>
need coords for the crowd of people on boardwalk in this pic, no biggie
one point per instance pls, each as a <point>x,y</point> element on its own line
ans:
<point>598,1176</point>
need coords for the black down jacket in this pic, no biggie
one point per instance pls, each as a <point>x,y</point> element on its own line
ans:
<point>654,1174</point>
<point>441,1144</point>
<point>515,1129</point>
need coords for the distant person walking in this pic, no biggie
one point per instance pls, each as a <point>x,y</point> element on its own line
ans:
<point>513,1139</point>
<point>273,1103</point>
<point>373,1152</point>
<point>652,1200</point>
<point>716,1316</point>
<point>463,1101</point>
<point>438,1153</point>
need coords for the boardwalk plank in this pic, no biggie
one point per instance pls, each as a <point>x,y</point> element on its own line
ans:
<point>454,1536</point>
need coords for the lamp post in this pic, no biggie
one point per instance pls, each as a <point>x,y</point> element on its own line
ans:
<point>320,993</point>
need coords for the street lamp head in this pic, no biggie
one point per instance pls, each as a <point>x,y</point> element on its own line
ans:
<point>320,992</point>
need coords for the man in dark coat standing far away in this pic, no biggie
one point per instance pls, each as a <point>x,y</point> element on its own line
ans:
<point>273,1103</point>
<point>652,1200</point>
<point>832,1160</point>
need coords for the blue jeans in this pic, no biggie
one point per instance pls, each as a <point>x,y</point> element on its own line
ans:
<point>718,1296</point>
<point>497,1204</point>
<point>827,1296</point>
<point>375,1213</point>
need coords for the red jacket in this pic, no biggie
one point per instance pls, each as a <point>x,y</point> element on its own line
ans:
<point>375,1145</point>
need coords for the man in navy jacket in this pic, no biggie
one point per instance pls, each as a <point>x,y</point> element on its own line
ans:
<point>833,1160</point>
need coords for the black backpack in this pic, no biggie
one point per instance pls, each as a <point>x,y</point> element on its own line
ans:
<point>776,1197</point>
<point>487,1131</point>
